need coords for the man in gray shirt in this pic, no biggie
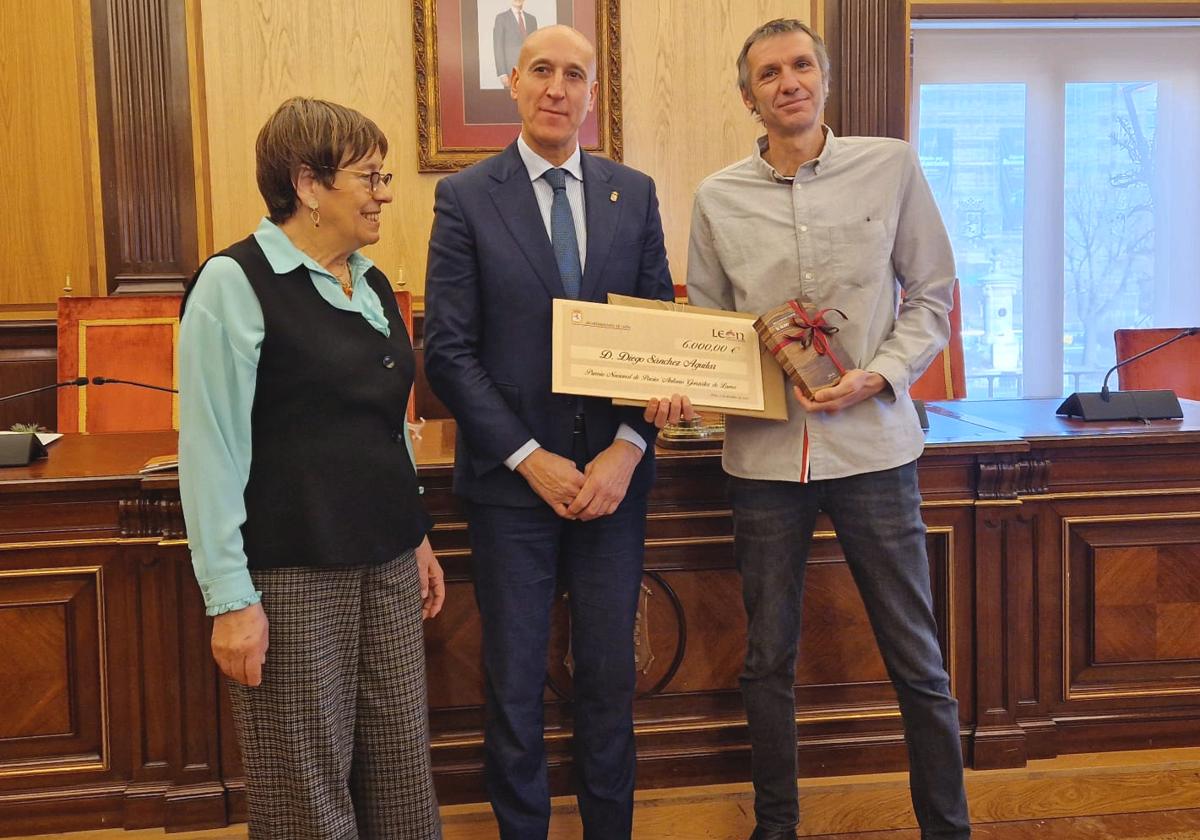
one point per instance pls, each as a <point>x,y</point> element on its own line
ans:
<point>846,223</point>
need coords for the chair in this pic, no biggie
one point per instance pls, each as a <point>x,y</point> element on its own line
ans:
<point>122,337</point>
<point>946,377</point>
<point>1176,367</point>
<point>130,337</point>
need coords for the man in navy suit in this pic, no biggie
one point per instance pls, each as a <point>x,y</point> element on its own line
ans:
<point>555,485</point>
<point>510,30</point>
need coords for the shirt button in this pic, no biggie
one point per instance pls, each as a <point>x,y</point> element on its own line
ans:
<point>808,275</point>
<point>398,436</point>
<point>388,362</point>
<point>804,228</point>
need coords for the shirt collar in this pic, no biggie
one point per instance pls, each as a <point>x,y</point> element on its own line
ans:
<point>536,165</point>
<point>817,163</point>
<point>285,257</point>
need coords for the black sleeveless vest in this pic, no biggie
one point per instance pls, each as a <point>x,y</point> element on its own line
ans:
<point>331,483</point>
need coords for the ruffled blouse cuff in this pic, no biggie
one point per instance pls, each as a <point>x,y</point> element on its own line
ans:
<point>241,603</point>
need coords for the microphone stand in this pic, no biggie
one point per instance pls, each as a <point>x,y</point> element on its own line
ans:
<point>78,381</point>
<point>1127,405</point>
<point>1190,331</point>
<point>104,380</point>
<point>19,448</point>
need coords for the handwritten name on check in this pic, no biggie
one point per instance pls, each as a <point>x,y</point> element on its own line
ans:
<point>626,352</point>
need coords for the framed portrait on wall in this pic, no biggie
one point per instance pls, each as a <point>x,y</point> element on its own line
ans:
<point>464,52</point>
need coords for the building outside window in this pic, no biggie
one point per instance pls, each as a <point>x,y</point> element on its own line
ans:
<point>1065,160</point>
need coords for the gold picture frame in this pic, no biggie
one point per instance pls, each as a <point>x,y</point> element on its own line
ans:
<point>464,114</point>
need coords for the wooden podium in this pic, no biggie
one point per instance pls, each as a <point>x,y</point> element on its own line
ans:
<point>1064,559</point>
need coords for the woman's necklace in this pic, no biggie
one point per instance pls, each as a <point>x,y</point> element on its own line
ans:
<point>346,282</point>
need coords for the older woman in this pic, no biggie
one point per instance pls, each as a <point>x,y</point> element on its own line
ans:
<point>300,493</point>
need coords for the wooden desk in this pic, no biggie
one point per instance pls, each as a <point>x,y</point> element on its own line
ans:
<point>1065,561</point>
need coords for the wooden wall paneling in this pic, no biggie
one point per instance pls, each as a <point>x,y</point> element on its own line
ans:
<point>69,598</point>
<point>52,693</point>
<point>27,361</point>
<point>1105,698</point>
<point>160,762</point>
<point>155,687</point>
<point>1025,602</point>
<point>682,116</point>
<point>50,228</point>
<point>694,627</point>
<point>868,48</point>
<point>711,630</point>
<point>1039,643</point>
<point>357,53</point>
<point>1132,604</point>
<point>53,534</point>
<point>1136,469</point>
<point>951,539</point>
<point>1046,699</point>
<point>1115,523</point>
<point>998,741</point>
<point>233,775</point>
<point>453,650</point>
<point>196,797</point>
<point>144,115</point>
<point>199,125</point>
<point>176,777</point>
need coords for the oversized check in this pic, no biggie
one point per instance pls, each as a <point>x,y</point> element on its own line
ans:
<point>632,353</point>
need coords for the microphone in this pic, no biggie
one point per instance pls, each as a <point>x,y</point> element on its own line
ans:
<point>1182,334</point>
<point>77,382</point>
<point>104,380</point>
<point>1127,405</point>
<point>18,450</point>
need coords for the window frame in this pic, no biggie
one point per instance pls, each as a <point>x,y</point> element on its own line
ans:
<point>1046,74</point>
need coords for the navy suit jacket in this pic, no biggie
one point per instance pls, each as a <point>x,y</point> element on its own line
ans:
<point>507,40</point>
<point>488,292</point>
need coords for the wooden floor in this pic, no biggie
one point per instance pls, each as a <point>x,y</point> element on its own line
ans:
<point>1148,795</point>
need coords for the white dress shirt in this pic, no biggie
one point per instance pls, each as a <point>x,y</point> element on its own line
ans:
<point>537,165</point>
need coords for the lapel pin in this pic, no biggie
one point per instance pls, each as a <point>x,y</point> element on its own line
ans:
<point>612,196</point>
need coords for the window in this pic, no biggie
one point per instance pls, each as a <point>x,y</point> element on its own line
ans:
<point>1063,158</point>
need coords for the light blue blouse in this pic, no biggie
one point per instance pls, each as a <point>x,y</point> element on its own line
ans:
<point>220,339</point>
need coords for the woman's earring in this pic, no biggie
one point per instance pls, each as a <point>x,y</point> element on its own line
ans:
<point>315,215</point>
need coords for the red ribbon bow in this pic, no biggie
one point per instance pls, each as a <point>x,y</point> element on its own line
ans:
<point>813,331</point>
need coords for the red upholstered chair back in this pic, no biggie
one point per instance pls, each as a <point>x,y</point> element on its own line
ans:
<point>129,337</point>
<point>1176,367</point>
<point>946,377</point>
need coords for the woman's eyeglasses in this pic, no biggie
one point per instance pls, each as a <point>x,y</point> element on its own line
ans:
<point>372,178</point>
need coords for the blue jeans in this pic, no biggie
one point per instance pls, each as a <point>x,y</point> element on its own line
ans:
<point>519,557</point>
<point>878,521</point>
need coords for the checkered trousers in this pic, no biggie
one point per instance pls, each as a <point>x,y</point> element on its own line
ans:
<point>335,741</point>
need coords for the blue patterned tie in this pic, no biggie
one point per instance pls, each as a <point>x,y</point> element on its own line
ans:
<point>562,233</point>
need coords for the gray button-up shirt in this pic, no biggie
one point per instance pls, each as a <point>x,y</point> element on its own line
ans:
<point>854,226</point>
